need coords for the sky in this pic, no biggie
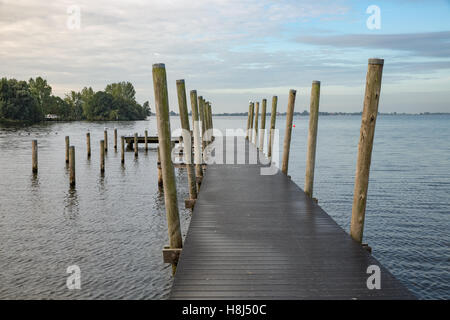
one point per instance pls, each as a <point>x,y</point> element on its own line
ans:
<point>235,51</point>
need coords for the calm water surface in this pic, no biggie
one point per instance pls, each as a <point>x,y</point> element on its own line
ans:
<point>114,227</point>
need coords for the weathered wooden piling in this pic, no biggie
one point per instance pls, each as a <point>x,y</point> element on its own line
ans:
<point>256,131</point>
<point>187,143</point>
<point>34,156</point>
<point>102,156</point>
<point>202,119</point>
<point>211,127</point>
<point>136,144</point>
<point>263,125</point>
<point>288,133</point>
<point>67,148</point>
<point>106,139</point>
<point>248,120</point>
<point>273,117</point>
<point>312,138</point>
<point>88,144</point>
<point>197,141</point>
<point>369,117</point>
<point>170,190</point>
<point>72,166</point>
<point>146,140</point>
<point>122,149</point>
<point>115,139</point>
<point>160,176</point>
<point>252,113</point>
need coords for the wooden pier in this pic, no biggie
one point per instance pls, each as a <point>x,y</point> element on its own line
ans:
<point>153,140</point>
<point>256,236</point>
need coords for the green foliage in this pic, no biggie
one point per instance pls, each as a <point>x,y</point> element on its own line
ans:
<point>31,101</point>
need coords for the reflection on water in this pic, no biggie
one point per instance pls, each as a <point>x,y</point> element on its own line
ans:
<point>113,225</point>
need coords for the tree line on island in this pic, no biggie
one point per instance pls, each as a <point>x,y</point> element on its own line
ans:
<point>33,101</point>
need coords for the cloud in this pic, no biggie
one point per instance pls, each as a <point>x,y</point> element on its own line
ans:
<point>429,44</point>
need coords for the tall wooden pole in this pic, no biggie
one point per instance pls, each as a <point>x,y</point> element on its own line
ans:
<point>312,137</point>
<point>187,139</point>
<point>34,156</point>
<point>106,139</point>
<point>197,141</point>
<point>160,176</point>
<point>136,150</point>
<point>211,126</point>
<point>252,114</point>
<point>369,117</point>
<point>115,139</point>
<point>67,148</point>
<point>164,138</point>
<point>256,125</point>
<point>202,119</point>
<point>263,125</point>
<point>88,144</point>
<point>72,166</point>
<point>102,156</point>
<point>248,120</point>
<point>122,149</point>
<point>287,135</point>
<point>146,140</point>
<point>273,117</point>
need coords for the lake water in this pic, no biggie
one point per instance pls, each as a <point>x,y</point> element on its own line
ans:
<point>113,227</point>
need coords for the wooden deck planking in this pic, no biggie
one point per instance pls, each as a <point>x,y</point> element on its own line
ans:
<point>260,237</point>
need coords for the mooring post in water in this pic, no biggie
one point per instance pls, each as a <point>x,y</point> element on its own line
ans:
<point>211,127</point>
<point>160,177</point>
<point>202,120</point>
<point>369,117</point>
<point>263,125</point>
<point>287,135</point>
<point>88,144</point>
<point>170,189</point>
<point>115,139</point>
<point>72,166</point>
<point>122,149</point>
<point>256,125</point>
<point>312,137</point>
<point>187,142</point>
<point>136,144</point>
<point>252,113</point>
<point>207,124</point>
<point>106,140</point>
<point>197,141</point>
<point>248,120</point>
<point>273,117</point>
<point>146,140</point>
<point>67,148</point>
<point>102,156</point>
<point>34,156</point>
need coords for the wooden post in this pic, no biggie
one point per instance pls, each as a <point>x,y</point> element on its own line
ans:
<point>102,156</point>
<point>202,119</point>
<point>210,122</point>
<point>67,149</point>
<point>88,144</point>
<point>135,144</point>
<point>34,156</point>
<point>207,123</point>
<point>115,139</point>
<point>369,117</point>
<point>106,140</point>
<point>146,140</point>
<point>263,125</point>
<point>122,147</point>
<point>248,120</point>
<point>72,166</point>
<point>273,117</point>
<point>287,135</point>
<point>170,189</point>
<point>160,177</point>
<point>252,113</point>
<point>312,138</point>
<point>197,141</point>
<point>187,139</point>
<point>256,125</point>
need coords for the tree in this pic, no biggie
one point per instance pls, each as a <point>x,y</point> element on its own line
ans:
<point>17,102</point>
<point>40,89</point>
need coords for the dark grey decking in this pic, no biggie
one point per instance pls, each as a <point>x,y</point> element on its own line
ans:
<point>260,237</point>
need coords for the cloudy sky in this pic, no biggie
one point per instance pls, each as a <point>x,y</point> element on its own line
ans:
<point>235,51</point>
